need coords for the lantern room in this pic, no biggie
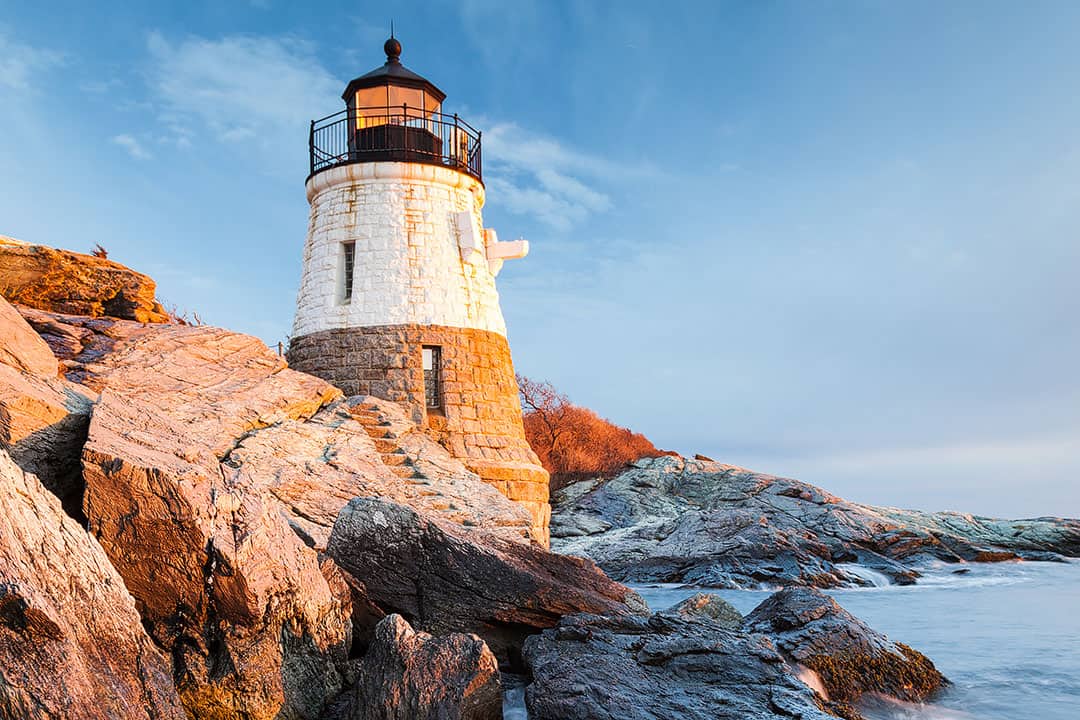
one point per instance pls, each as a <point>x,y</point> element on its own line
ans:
<point>393,114</point>
<point>391,93</point>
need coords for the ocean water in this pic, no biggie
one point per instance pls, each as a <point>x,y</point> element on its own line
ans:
<point>1007,635</point>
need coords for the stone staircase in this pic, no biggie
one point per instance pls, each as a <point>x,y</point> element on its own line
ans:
<point>380,429</point>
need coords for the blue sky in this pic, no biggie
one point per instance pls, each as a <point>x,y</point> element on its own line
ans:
<point>831,240</point>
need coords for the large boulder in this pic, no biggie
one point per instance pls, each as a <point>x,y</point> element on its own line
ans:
<point>409,675</point>
<point>848,657</point>
<point>444,579</point>
<point>242,605</point>
<point>21,347</point>
<point>70,282</point>
<point>672,519</point>
<point>654,668</point>
<point>71,643</point>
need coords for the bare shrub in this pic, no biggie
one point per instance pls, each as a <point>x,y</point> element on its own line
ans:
<point>573,442</point>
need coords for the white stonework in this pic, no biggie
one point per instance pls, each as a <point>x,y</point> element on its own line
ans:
<point>421,253</point>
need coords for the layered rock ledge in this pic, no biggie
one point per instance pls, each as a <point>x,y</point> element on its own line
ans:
<point>672,519</point>
<point>63,281</point>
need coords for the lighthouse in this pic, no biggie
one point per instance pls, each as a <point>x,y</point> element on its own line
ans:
<point>397,297</point>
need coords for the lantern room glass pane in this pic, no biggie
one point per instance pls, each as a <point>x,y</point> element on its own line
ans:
<point>371,106</point>
<point>412,97</point>
<point>386,103</point>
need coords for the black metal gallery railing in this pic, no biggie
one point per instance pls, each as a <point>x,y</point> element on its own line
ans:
<point>394,133</point>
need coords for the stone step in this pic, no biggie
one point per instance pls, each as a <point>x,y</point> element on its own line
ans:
<point>387,445</point>
<point>406,471</point>
<point>367,417</point>
<point>395,459</point>
<point>379,433</point>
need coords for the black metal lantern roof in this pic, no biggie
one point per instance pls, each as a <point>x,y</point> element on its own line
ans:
<point>392,73</point>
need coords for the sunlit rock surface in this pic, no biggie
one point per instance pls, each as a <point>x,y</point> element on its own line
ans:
<point>43,418</point>
<point>69,282</point>
<point>71,643</point>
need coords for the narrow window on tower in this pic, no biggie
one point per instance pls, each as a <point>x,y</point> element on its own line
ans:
<point>433,376</point>
<point>348,260</point>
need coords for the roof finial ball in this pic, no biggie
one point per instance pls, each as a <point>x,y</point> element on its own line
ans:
<point>393,50</point>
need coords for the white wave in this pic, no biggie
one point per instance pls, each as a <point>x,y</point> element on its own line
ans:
<point>865,574</point>
<point>514,704</point>
<point>877,707</point>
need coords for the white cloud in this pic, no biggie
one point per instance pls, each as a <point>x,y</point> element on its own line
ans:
<point>537,175</point>
<point>241,89</point>
<point>134,147</point>
<point>20,63</point>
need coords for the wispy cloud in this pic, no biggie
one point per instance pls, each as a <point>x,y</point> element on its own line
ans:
<point>538,175</point>
<point>240,88</point>
<point>134,148</point>
<point>20,63</point>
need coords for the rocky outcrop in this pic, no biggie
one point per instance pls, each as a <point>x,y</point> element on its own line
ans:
<point>409,675</point>
<point>312,465</point>
<point>71,643</point>
<point>443,579</point>
<point>797,655</point>
<point>223,583</point>
<point>671,519</point>
<point>203,442</point>
<point>68,282</point>
<point>710,606</point>
<point>365,447</point>
<point>82,344</point>
<point>21,347</point>
<point>848,658</point>
<point>265,526</point>
<point>665,666</point>
<point>43,418</point>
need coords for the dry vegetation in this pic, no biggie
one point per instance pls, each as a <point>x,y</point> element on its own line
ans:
<point>573,442</point>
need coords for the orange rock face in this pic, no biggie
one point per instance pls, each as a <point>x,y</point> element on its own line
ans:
<point>21,347</point>
<point>71,644</point>
<point>69,282</point>
<point>223,582</point>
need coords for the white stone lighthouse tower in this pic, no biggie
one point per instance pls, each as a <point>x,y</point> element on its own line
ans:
<point>397,297</point>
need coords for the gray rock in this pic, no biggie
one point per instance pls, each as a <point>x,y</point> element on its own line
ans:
<point>671,519</point>
<point>849,658</point>
<point>708,605</point>
<point>409,675</point>
<point>665,666</point>
<point>444,579</point>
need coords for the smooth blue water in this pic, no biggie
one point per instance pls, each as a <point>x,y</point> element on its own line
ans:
<point>1007,635</point>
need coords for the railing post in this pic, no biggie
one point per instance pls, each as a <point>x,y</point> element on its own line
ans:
<point>405,127</point>
<point>479,134</point>
<point>311,148</point>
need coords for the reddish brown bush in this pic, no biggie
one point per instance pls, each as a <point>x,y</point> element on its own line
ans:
<point>572,442</point>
